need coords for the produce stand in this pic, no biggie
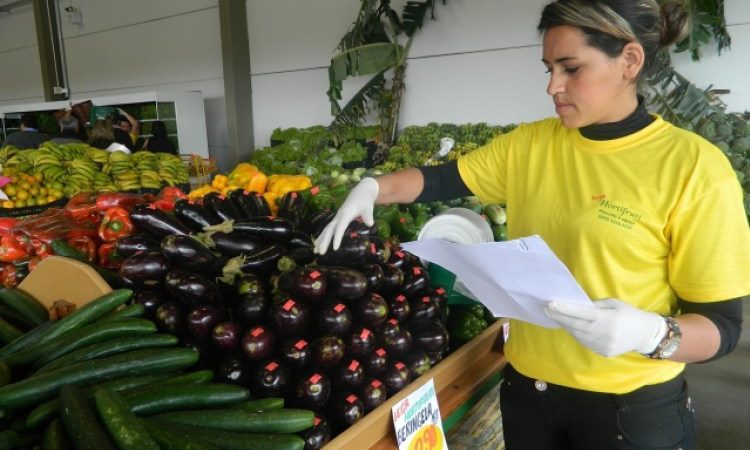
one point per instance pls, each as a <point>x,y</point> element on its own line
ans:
<point>457,379</point>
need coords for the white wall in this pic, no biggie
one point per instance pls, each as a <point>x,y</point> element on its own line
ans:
<point>480,62</point>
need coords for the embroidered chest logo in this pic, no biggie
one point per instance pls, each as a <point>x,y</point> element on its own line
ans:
<point>619,215</point>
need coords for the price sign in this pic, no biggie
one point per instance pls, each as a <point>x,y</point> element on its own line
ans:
<point>417,422</point>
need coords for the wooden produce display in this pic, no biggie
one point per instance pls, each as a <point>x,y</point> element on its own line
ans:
<point>457,378</point>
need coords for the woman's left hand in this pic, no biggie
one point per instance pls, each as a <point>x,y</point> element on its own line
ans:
<point>610,327</point>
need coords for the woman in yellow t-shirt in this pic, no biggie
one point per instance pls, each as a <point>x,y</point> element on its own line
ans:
<point>647,217</point>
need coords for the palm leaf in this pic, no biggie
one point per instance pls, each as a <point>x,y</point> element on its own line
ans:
<point>414,13</point>
<point>358,106</point>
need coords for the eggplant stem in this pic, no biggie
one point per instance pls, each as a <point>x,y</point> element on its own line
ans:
<point>225,227</point>
<point>232,269</point>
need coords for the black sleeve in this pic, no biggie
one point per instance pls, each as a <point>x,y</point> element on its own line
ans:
<point>442,182</point>
<point>726,315</point>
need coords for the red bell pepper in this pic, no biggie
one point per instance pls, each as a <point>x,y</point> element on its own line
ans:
<point>108,257</point>
<point>11,250</point>
<point>9,275</point>
<point>82,208</point>
<point>85,245</point>
<point>167,197</point>
<point>123,200</point>
<point>115,224</point>
<point>41,248</point>
<point>7,224</point>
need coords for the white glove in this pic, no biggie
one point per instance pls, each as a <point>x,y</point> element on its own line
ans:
<point>611,327</point>
<point>359,203</point>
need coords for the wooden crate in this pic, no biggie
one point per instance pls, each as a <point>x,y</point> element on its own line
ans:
<point>456,378</point>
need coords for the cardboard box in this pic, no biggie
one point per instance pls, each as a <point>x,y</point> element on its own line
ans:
<point>61,278</point>
<point>456,378</point>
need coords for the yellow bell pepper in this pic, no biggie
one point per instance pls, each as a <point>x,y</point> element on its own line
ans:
<point>257,182</point>
<point>241,174</point>
<point>271,198</point>
<point>281,184</point>
<point>201,191</point>
<point>219,181</point>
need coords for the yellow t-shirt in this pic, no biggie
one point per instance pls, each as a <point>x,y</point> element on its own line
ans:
<point>645,218</point>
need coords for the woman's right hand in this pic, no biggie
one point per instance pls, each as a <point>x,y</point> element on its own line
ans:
<point>359,203</point>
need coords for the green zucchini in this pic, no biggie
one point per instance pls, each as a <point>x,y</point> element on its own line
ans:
<point>127,431</point>
<point>134,310</point>
<point>5,374</point>
<point>88,313</point>
<point>44,412</point>
<point>110,347</point>
<point>261,404</point>
<point>277,421</point>
<point>95,333</point>
<point>8,332</point>
<point>80,421</point>
<point>39,388</point>
<point>164,398</point>
<point>232,440</point>
<point>24,304</point>
<point>16,319</point>
<point>168,439</point>
<point>29,338</point>
<point>55,437</point>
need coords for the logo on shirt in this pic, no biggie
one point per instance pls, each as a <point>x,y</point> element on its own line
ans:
<point>616,214</point>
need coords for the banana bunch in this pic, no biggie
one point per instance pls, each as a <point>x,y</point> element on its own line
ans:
<point>122,169</point>
<point>6,152</point>
<point>172,169</point>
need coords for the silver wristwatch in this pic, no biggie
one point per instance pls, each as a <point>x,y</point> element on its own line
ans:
<point>669,344</point>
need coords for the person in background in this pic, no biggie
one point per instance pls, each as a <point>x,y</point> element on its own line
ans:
<point>647,217</point>
<point>29,136</point>
<point>126,129</point>
<point>159,141</point>
<point>101,136</point>
<point>69,130</point>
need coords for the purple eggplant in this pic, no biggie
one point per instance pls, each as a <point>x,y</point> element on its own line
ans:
<point>418,362</point>
<point>250,203</point>
<point>348,375</point>
<point>344,409</point>
<point>289,317</point>
<point>187,252</point>
<point>328,351</point>
<point>250,284</point>
<point>352,252</point>
<point>302,255</point>
<point>394,278</point>
<point>432,338</point>
<point>360,342</point>
<point>436,357</point>
<point>315,223</point>
<point>273,228</point>
<point>300,239</point>
<point>380,250</point>
<point>270,378</point>
<point>400,258</point>
<point>263,260</point>
<point>371,309</point>
<point>399,307</point>
<point>358,226</point>
<point>311,390</point>
<point>258,343</point>
<point>251,309</point>
<point>423,312</point>
<point>135,243</point>
<point>156,222</point>
<point>333,318</point>
<point>377,361</point>
<point>307,283</point>
<point>170,318</point>
<point>344,282</point>
<point>398,343</point>
<point>396,377</point>
<point>202,319</point>
<point>317,435</point>
<point>150,299</point>
<point>190,287</point>
<point>372,393</point>
<point>232,244</point>
<point>416,280</point>
<point>226,337</point>
<point>295,352</point>
<point>194,215</point>
<point>292,206</point>
<point>374,275</point>
<point>221,206</point>
<point>389,328</point>
<point>233,369</point>
<point>144,268</point>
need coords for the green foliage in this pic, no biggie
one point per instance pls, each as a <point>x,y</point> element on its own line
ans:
<point>707,22</point>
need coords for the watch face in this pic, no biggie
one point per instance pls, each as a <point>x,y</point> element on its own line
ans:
<point>670,348</point>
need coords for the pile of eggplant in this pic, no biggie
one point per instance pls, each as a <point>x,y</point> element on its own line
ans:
<point>337,333</point>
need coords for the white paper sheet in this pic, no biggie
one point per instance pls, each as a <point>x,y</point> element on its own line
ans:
<point>515,278</point>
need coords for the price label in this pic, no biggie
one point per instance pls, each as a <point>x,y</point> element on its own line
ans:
<point>417,421</point>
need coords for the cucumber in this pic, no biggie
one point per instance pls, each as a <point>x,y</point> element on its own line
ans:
<point>199,376</point>
<point>47,411</point>
<point>127,431</point>
<point>233,440</point>
<point>261,404</point>
<point>15,318</point>
<point>134,310</point>
<point>55,437</point>
<point>164,398</point>
<point>110,347</point>
<point>8,332</point>
<point>168,439</point>
<point>274,421</point>
<point>5,374</point>
<point>62,248</point>
<point>95,333</point>
<point>80,421</point>
<point>24,304</point>
<point>43,353</point>
<point>31,337</point>
<point>39,388</point>
<point>87,313</point>
<point>8,439</point>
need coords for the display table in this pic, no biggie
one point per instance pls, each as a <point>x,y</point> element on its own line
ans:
<point>458,379</point>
